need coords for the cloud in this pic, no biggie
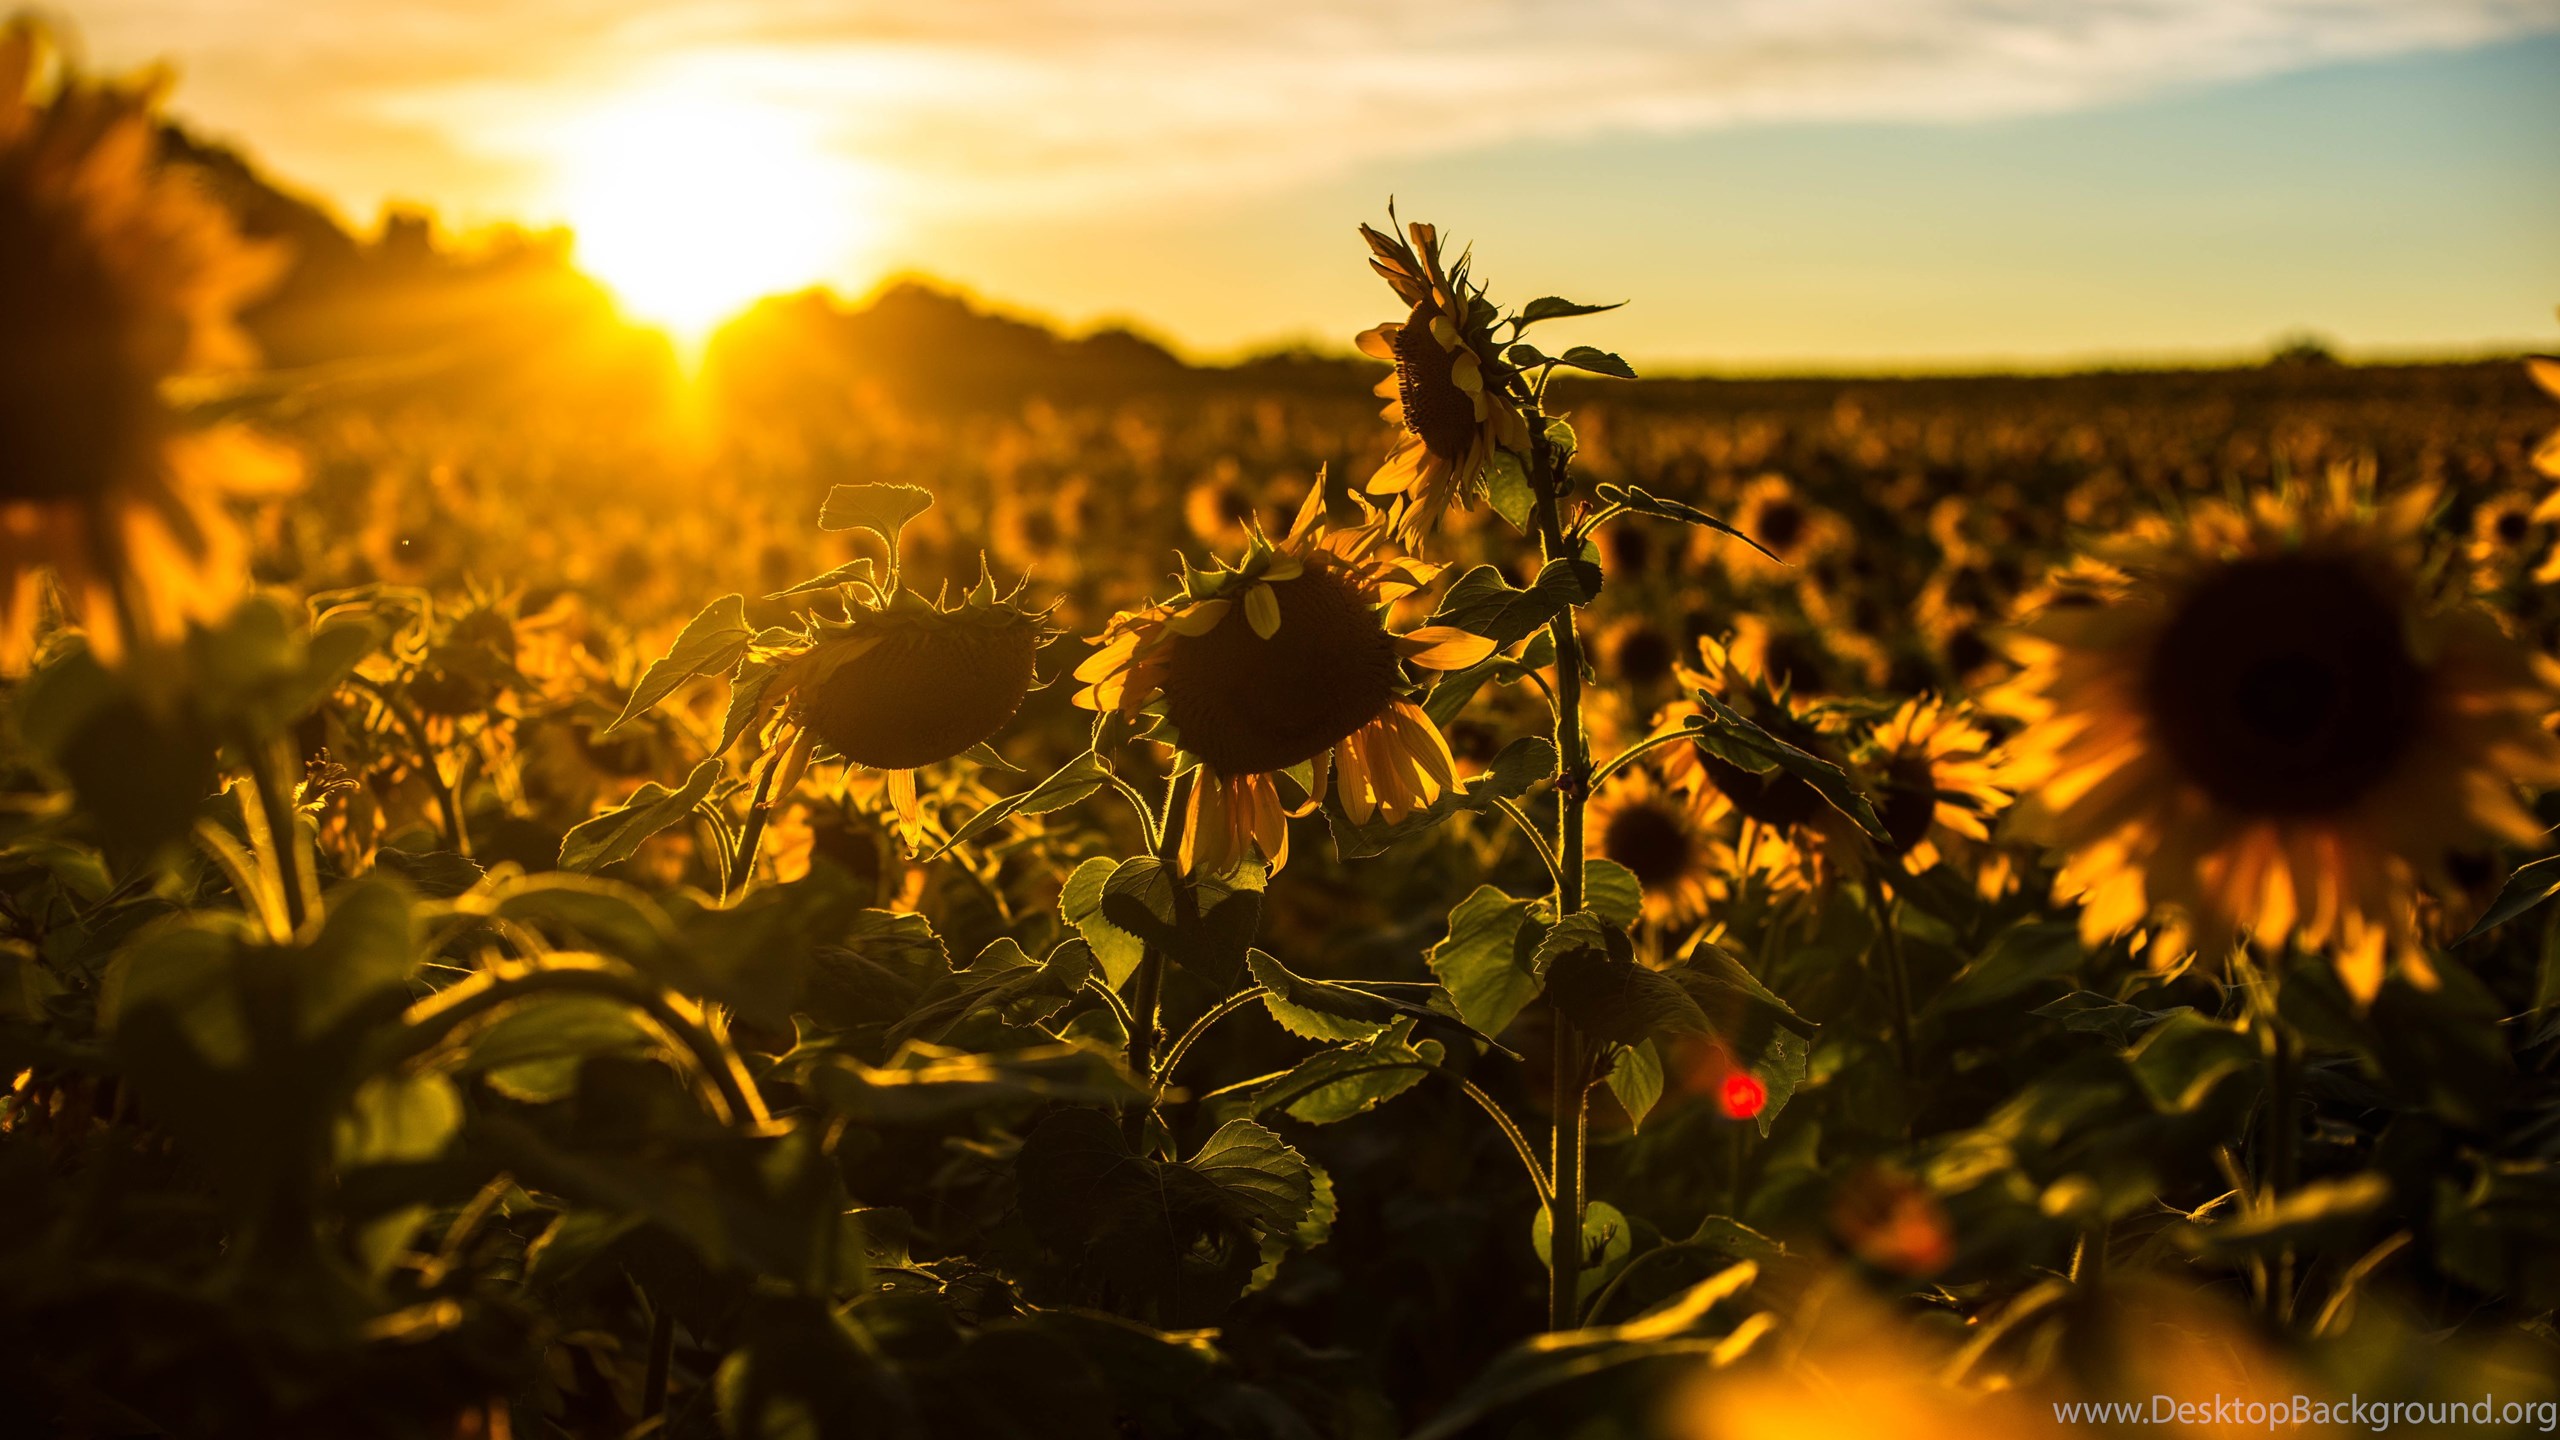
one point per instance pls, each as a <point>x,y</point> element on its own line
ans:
<point>1020,107</point>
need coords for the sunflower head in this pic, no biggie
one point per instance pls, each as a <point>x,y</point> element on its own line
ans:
<point>1282,662</point>
<point>119,273</point>
<point>1666,839</point>
<point>1451,398</point>
<point>2259,720</point>
<point>909,683</point>
<point>1935,784</point>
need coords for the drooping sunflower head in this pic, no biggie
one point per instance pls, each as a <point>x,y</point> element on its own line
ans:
<point>912,683</point>
<point>1283,663</point>
<point>1450,396</point>
<point>1666,839</point>
<point>118,273</point>
<point>2263,723</point>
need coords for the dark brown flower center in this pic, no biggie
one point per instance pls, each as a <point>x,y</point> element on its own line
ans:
<point>2512,525</point>
<point>75,411</point>
<point>1910,801</point>
<point>1780,524</point>
<point>1643,656</point>
<point>2285,686</point>
<point>1648,838</point>
<point>923,693</point>
<point>1246,705</point>
<point>1434,407</point>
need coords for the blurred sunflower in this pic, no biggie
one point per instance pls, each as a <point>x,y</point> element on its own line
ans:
<point>1937,786</point>
<point>1787,828</point>
<point>899,684</point>
<point>1453,414</point>
<point>1284,663</point>
<point>2506,529</point>
<point>1781,521</point>
<point>1666,839</point>
<point>2259,726</point>
<point>119,274</point>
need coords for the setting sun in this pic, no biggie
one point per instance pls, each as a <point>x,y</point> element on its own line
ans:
<point>692,204</point>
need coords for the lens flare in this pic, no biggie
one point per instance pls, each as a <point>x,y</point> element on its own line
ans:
<point>692,202</point>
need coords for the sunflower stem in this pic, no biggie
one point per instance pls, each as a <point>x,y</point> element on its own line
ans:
<point>742,869</point>
<point>2283,1054</point>
<point>1570,1091</point>
<point>1149,995</point>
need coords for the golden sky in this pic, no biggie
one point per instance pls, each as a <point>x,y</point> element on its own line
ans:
<point>1775,182</point>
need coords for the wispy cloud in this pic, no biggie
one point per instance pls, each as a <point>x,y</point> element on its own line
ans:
<point>1024,106</point>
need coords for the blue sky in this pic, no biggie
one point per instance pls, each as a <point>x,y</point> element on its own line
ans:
<point>1776,184</point>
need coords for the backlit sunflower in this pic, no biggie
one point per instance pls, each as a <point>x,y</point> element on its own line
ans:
<point>118,274</point>
<point>1666,839</point>
<point>901,683</point>
<point>2261,727</point>
<point>1936,786</point>
<point>1447,394</point>
<point>1787,828</point>
<point>1284,663</point>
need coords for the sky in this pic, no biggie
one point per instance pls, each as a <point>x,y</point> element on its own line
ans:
<point>1773,184</point>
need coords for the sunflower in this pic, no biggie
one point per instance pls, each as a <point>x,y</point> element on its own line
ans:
<point>1665,839</point>
<point>1936,785</point>
<point>118,275</point>
<point>2545,370</point>
<point>2260,727</point>
<point>1787,828</point>
<point>899,684</point>
<point>1781,521</point>
<point>1283,663</point>
<point>1447,393</point>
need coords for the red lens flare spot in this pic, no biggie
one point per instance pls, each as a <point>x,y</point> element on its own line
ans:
<point>1742,1095</point>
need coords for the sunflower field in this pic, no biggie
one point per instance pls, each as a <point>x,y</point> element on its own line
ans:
<point>1024,889</point>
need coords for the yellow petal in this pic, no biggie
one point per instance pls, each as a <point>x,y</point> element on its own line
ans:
<point>1443,647</point>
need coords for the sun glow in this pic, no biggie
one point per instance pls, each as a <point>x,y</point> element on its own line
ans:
<point>691,204</point>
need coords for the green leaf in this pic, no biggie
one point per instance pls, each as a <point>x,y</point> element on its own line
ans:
<point>2531,883</point>
<point>1645,502</point>
<point>402,1117</point>
<point>712,642</point>
<point>1484,962</point>
<point>747,690</point>
<point>1608,1239</point>
<point>1525,356</point>
<point>1080,905</point>
<point>1611,997</point>
<point>884,510</point>
<point>1636,1079</point>
<point>1176,1240</point>
<point>1333,1085</point>
<point>1598,362</point>
<point>1068,785</point>
<point>2093,1014</point>
<point>1611,891</point>
<point>1506,484</point>
<point>1551,307</point>
<point>1317,1009</point>
<point>1483,603</point>
<point>2026,955</point>
<point>617,834</point>
<point>1139,898</point>
<point>1724,732</point>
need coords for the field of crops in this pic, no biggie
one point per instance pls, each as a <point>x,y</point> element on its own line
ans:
<point>925,879</point>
